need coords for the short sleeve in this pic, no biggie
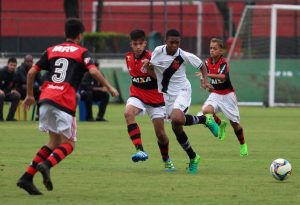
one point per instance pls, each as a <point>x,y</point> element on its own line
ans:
<point>43,63</point>
<point>154,55</point>
<point>88,61</point>
<point>193,60</point>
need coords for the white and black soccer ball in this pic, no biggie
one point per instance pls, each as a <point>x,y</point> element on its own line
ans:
<point>280,169</point>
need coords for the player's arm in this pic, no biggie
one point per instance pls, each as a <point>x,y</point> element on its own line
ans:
<point>95,73</point>
<point>29,100</point>
<point>204,78</point>
<point>149,67</point>
<point>222,73</point>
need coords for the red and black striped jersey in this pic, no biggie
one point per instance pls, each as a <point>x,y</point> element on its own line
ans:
<point>143,86</point>
<point>220,67</point>
<point>66,64</point>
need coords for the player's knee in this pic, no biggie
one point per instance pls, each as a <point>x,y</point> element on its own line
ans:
<point>128,114</point>
<point>161,136</point>
<point>177,121</point>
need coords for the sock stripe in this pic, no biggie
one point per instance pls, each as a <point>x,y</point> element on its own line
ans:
<point>132,127</point>
<point>40,155</point>
<point>134,137</point>
<point>63,150</point>
<point>134,132</point>
<point>56,156</point>
<point>34,164</point>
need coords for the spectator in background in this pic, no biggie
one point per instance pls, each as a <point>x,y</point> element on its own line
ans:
<point>91,90</point>
<point>21,79</point>
<point>7,91</point>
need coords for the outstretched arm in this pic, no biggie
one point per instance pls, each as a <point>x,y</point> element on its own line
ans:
<point>29,100</point>
<point>149,67</point>
<point>99,77</point>
<point>203,78</point>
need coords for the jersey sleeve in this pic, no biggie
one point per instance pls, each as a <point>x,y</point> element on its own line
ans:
<point>43,63</point>
<point>154,55</point>
<point>127,59</point>
<point>88,61</point>
<point>193,60</point>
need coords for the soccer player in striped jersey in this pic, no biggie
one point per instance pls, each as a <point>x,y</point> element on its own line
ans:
<point>66,63</point>
<point>222,97</point>
<point>169,64</point>
<point>144,97</point>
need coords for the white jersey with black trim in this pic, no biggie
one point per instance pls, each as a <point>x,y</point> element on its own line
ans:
<point>170,70</point>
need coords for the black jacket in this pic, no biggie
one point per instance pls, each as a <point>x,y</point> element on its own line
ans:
<point>21,77</point>
<point>6,80</point>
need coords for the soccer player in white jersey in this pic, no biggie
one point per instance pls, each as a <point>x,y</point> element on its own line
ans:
<point>223,98</point>
<point>169,64</point>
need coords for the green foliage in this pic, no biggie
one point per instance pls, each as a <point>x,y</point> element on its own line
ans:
<point>106,42</point>
<point>100,170</point>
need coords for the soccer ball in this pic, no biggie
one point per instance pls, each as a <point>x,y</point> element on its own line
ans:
<point>281,169</point>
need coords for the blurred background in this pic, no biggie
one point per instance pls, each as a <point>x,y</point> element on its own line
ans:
<point>30,26</point>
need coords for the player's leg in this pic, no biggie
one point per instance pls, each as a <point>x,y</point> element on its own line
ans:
<point>62,147</point>
<point>206,119</point>
<point>209,109</point>
<point>62,136</point>
<point>230,109</point>
<point>239,132</point>
<point>131,110</point>
<point>163,143</point>
<point>26,180</point>
<point>178,120</point>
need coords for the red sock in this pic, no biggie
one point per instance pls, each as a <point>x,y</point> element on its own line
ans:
<point>240,135</point>
<point>217,119</point>
<point>164,151</point>
<point>40,156</point>
<point>135,135</point>
<point>59,154</point>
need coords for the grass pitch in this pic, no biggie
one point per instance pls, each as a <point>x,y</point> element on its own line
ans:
<point>100,170</point>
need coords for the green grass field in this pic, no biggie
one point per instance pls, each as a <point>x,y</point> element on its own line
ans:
<point>100,170</point>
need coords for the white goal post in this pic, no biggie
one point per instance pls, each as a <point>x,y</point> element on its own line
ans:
<point>272,11</point>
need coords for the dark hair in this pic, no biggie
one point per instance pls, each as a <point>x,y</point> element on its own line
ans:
<point>137,35</point>
<point>172,32</point>
<point>73,27</point>
<point>12,60</point>
<point>218,41</point>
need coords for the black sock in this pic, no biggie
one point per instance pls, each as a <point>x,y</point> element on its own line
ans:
<point>185,144</point>
<point>192,120</point>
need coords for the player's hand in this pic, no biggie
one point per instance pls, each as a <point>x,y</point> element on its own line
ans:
<point>29,100</point>
<point>147,65</point>
<point>113,91</point>
<point>145,62</point>
<point>199,74</point>
<point>207,86</point>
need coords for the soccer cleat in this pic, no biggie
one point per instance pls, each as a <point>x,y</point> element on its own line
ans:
<point>169,166</point>
<point>212,125</point>
<point>45,171</point>
<point>28,186</point>
<point>222,133</point>
<point>139,156</point>
<point>193,165</point>
<point>243,150</point>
